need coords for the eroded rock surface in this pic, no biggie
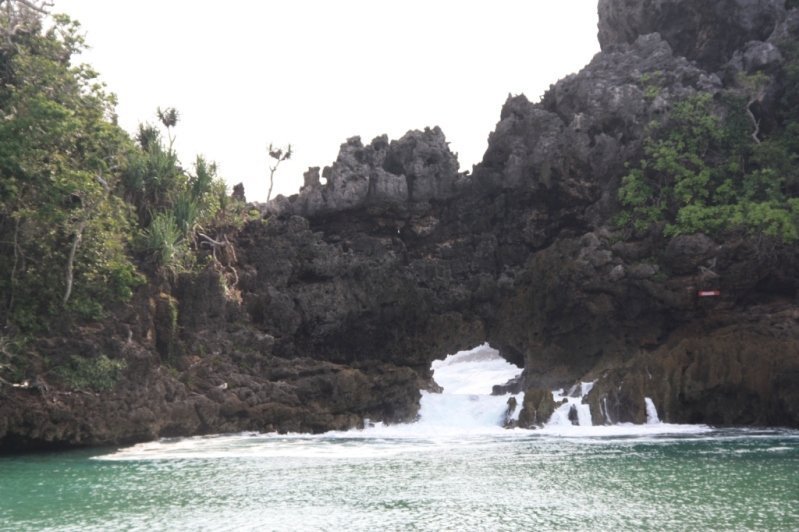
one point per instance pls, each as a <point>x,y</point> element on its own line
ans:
<point>537,408</point>
<point>706,32</point>
<point>391,258</point>
<point>416,168</point>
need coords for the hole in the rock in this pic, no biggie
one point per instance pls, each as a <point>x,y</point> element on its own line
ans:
<point>467,379</point>
<point>473,372</point>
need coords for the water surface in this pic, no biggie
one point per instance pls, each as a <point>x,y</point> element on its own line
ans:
<point>455,469</point>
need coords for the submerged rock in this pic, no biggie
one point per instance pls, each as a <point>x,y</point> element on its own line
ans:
<point>508,420</point>
<point>513,386</point>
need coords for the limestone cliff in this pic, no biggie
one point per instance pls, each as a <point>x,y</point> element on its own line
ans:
<point>345,293</point>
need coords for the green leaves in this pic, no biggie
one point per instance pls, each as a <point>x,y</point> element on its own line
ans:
<point>96,374</point>
<point>702,173</point>
<point>165,242</point>
<point>63,252</point>
<point>78,196</point>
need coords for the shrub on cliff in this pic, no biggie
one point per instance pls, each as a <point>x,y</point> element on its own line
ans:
<point>704,170</point>
<point>174,207</point>
<point>95,374</point>
<point>75,189</point>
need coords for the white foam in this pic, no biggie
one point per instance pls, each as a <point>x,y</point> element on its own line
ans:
<point>625,430</point>
<point>651,412</point>
<point>465,406</point>
<point>464,414</point>
<point>382,441</point>
<point>473,372</point>
<point>560,417</point>
<point>604,409</point>
<point>462,411</point>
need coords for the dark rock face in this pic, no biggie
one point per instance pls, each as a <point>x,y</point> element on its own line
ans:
<point>507,419</point>
<point>685,254</point>
<point>706,32</point>
<point>513,386</point>
<point>346,292</point>
<point>236,385</point>
<point>711,372</point>
<point>537,408</point>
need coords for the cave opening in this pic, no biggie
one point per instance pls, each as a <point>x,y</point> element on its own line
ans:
<point>468,381</point>
<point>475,371</point>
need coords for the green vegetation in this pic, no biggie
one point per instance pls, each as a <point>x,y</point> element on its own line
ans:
<point>85,211</point>
<point>707,167</point>
<point>652,84</point>
<point>62,230</point>
<point>90,374</point>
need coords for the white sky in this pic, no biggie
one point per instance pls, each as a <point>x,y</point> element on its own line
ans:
<point>313,73</point>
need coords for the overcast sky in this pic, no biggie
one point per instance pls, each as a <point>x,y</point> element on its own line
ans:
<point>313,73</point>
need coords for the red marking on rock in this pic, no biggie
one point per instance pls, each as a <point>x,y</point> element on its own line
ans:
<point>709,293</point>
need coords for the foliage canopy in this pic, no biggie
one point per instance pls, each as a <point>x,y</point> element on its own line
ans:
<point>705,170</point>
<point>83,207</point>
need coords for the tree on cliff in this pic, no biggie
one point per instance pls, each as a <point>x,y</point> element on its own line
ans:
<point>20,16</point>
<point>175,208</point>
<point>278,155</point>
<point>62,228</point>
<point>78,197</point>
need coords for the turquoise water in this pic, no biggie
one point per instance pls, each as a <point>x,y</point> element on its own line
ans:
<point>708,480</point>
<point>455,469</point>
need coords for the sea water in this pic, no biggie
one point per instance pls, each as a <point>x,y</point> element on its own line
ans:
<point>454,469</point>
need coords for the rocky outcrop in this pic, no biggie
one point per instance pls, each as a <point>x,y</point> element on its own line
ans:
<point>537,408</point>
<point>722,370</point>
<point>706,32</point>
<point>416,168</point>
<point>214,383</point>
<point>345,293</point>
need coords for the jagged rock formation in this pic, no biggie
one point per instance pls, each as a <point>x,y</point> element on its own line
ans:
<point>347,291</point>
<point>706,32</point>
<point>418,167</point>
<point>537,408</point>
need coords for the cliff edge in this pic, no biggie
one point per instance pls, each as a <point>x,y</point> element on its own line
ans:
<point>392,257</point>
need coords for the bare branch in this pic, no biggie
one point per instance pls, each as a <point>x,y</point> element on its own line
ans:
<point>71,260</point>
<point>14,268</point>
<point>279,156</point>
<point>103,182</point>
<point>755,121</point>
<point>88,211</point>
<point>20,14</point>
<point>41,7</point>
<point>210,240</point>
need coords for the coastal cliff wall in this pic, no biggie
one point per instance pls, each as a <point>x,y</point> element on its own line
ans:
<point>345,293</point>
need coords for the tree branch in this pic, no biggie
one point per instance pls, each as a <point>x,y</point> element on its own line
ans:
<point>279,156</point>
<point>40,8</point>
<point>19,14</point>
<point>754,120</point>
<point>210,240</point>
<point>84,221</point>
<point>13,280</point>
<point>71,260</point>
